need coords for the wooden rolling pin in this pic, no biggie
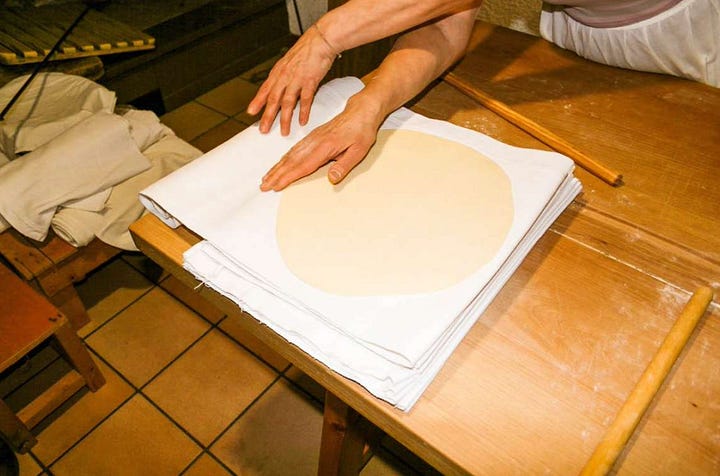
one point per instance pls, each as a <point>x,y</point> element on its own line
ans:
<point>534,129</point>
<point>619,432</point>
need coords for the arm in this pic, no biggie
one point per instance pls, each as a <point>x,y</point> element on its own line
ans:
<point>298,74</point>
<point>417,58</point>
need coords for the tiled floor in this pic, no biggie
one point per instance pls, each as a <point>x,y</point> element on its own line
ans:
<point>185,394</point>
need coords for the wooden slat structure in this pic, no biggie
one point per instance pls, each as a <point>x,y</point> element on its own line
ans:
<point>28,34</point>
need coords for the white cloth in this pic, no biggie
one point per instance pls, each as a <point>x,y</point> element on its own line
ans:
<point>392,345</point>
<point>682,41</point>
<point>79,227</point>
<point>145,128</point>
<point>91,156</point>
<point>51,104</point>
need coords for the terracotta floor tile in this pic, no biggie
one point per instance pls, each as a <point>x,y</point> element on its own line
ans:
<point>231,324</point>
<point>278,435</point>
<point>206,466</point>
<point>231,98</point>
<point>28,466</point>
<point>385,464</point>
<point>136,440</point>
<point>210,385</point>
<point>218,134</point>
<point>144,266</point>
<point>258,74</point>
<point>79,416</point>
<point>191,119</point>
<point>192,298</point>
<point>109,290</point>
<point>148,335</point>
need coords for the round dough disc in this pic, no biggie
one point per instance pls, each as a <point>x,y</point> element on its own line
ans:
<point>419,214</point>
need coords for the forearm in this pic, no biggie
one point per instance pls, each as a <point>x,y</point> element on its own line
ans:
<point>359,22</point>
<point>417,58</point>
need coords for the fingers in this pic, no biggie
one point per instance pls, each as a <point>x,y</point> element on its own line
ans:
<point>294,78</point>
<point>306,98</point>
<point>294,165</point>
<point>347,161</point>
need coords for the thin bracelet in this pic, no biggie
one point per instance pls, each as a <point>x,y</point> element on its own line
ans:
<point>337,55</point>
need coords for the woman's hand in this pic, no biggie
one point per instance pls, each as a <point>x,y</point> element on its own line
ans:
<point>346,139</point>
<point>295,76</point>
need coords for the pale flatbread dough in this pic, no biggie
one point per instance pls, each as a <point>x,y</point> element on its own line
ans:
<point>419,214</point>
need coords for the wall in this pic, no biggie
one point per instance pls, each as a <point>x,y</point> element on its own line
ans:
<point>310,11</point>
<point>520,15</point>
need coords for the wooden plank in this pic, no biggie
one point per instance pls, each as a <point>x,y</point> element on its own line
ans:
<point>53,31</point>
<point>32,258</point>
<point>96,34</point>
<point>26,318</point>
<point>620,117</point>
<point>129,34</point>
<point>74,269</point>
<point>635,246</point>
<point>21,50</point>
<point>22,26</point>
<point>50,399</point>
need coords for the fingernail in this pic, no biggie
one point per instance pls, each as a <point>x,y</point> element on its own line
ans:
<point>334,176</point>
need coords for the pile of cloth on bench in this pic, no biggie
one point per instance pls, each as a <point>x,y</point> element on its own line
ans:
<point>69,161</point>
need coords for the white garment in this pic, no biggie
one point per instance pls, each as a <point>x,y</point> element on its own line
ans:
<point>91,156</point>
<point>145,128</point>
<point>79,227</point>
<point>683,41</point>
<point>52,103</point>
<point>392,345</point>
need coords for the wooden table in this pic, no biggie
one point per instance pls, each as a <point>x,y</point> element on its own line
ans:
<point>538,379</point>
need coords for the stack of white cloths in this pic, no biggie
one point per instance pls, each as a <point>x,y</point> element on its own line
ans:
<point>393,345</point>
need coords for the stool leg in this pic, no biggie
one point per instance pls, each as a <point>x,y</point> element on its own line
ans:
<point>69,303</point>
<point>78,355</point>
<point>14,431</point>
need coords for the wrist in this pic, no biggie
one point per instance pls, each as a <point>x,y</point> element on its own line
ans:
<point>333,52</point>
<point>370,108</point>
<point>326,29</point>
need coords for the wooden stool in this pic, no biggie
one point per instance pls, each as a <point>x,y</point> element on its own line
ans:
<point>26,321</point>
<point>54,266</point>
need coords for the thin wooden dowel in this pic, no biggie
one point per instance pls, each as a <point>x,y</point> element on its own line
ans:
<point>619,432</point>
<point>534,129</point>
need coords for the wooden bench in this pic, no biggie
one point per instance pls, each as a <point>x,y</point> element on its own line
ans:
<point>53,267</point>
<point>27,320</point>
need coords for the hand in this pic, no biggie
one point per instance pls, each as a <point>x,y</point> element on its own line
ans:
<point>295,75</point>
<point>346,139</point>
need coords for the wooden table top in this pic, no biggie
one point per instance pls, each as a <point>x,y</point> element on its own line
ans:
<point>541,375</point>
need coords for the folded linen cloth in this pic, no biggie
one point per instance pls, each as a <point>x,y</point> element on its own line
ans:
<point>79,227</point>
<point>51,104</point>
<point>393,345</point>
<point>93,155</point>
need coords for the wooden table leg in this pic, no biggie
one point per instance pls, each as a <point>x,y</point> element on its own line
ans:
<point>344,434</point>
<point>16,433</point>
